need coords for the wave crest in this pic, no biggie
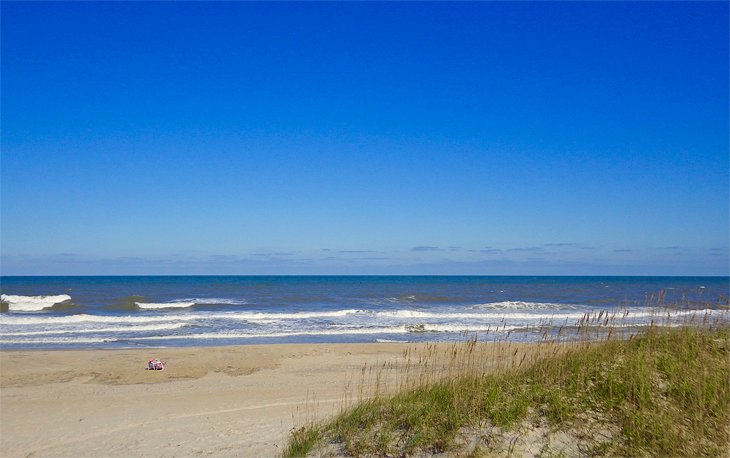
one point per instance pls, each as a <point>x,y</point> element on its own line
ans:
<point>142,328</point>
<point>164,305</point>
<point>214,301</point>
<point>85,318</point>
<point>32,303</point>
<point>428,327</point>
<point>522,305</point>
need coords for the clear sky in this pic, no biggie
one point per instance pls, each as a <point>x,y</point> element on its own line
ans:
<point>375,138</point>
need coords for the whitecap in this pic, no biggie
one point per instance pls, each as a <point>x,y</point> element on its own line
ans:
<point>32,303</point>
<point>142,328</point>
<point>312,332</point>
<point>522,305</point>
<point>258,316</point>
<point>58,340</point>
<point>213,301</point>
<point>164,305</point>
<point>428,327</point>
<point>85,318</point>
<point>485,314</point>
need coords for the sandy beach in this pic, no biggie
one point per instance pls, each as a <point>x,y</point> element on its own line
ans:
<point>221,401</point>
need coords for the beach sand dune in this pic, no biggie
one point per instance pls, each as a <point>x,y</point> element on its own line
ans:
<point>223,401</point>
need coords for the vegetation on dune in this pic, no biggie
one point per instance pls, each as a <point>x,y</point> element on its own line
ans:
<point>665,392</point>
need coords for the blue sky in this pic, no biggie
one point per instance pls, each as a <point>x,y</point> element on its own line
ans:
<point>365,138</point>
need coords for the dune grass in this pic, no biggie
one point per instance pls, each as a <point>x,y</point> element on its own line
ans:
<point>664,392</point>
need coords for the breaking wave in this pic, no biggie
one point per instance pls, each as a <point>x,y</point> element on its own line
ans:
<point>164,305</point>
<point>32,303</point>
<point>143,328</point>
<point>258,316</point>
<point>84,318</point>
<point>214,301</point>
<point>520,305</point>
<point>312,332</point>
<point>427,327</point>
<point>444,323</point>
<point>267,318</point>
<point>59,340</point>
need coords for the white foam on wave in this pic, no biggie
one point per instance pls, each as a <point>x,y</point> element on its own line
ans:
<point>405,329</point>
<point>58,340</point>
<point>32,303</point>
<point>406,314</point>
<point>142,328</point>
<point>214,301</point>
<point>262,318</point>
<point>164,305</point>
<point>253,335</point>
<point>85,318</point>
<point>487,314</point>
<point>400,300</point>
<point>428,327</point>
<point>664,312</point>
<point>401,314</point>
<point>258,316</point>
<point>617,315</point>
<point>268,318</point>
<point>412,314</point>
<point>521,305</point>
<point>263,321</point>
<point>642,324</point>
<point>557,317</point>
<point>90,329</point>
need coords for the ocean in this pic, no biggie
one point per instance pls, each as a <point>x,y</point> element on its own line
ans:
<point>164,311</point>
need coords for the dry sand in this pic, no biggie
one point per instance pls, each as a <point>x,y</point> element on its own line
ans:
<point>223,401</point>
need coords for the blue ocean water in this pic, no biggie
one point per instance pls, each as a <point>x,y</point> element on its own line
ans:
<point>154,311</point>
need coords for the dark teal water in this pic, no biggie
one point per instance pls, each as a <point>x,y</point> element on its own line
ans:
<point>129,311</point>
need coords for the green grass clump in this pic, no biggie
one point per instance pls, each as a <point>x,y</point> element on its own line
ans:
<point>302,440</point>
<point>663,393</point>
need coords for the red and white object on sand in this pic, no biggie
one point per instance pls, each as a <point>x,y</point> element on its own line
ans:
<point>155,365</point>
